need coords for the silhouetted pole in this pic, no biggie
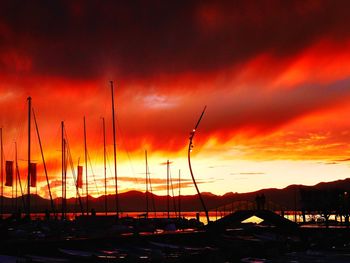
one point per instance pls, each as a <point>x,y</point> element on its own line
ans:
<point>65,158</point>
<point>86,171</point>
<point>295,204</point>
<point>146,183</point>
<point>104,161</point>
<point>63,168</point>
<point>115,153</point>
<point>190,146</point>
<point>179,193</point>
<point>28,179</point>
<point>16,201</point>
<point>172,191</point>
<point>150,187</point>
<point>167,187</point>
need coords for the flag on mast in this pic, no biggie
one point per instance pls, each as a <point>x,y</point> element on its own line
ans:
<point>9,173</point>
<point>32,174</point>
<point>80,177</point>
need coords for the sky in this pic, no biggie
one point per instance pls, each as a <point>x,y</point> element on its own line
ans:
<point>274,75</point>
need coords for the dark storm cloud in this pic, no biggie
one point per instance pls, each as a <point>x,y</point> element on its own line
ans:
<point>268,110</point>
<point>87,39</point>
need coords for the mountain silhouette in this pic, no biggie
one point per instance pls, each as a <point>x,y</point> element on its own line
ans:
<point>134,201</point>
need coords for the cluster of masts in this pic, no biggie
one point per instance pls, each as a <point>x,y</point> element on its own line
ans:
<point>66,157</point>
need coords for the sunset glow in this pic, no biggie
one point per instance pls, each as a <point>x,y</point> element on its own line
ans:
<point>275,77</point>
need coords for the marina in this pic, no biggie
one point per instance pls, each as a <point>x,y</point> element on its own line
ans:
<point>174,131</point>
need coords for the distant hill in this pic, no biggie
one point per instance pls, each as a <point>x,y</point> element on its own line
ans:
<point>286,198</point>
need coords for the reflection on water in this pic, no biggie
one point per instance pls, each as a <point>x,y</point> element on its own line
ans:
<point>213,216</point>
<point>316,218</point>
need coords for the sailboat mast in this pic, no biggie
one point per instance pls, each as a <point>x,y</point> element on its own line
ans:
<point>115,153</point>
<point>65,154</point>
<point>16,180</point>
<point>2,175</point>
<point>151,191</point>
<point>12,195</point>
<point>179,193</point>
<point>167,187</point>
<point>86,171</point>
<point>146,183</point>
<point>63,173</point>
<point>173,195</point>
<point>28,179</point>
<point>104,161</point>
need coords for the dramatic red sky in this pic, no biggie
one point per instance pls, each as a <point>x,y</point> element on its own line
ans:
<point>275,76</point>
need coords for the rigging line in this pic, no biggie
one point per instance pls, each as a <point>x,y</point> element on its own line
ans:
<point>92,171</point>
<point>70,159</point>
<point>124,144</point>
<point>20,127</point>
<point>108,164</point>
<point>152,195</point>
<point>44,163</point>
<point>96,159</point>
<point>106,112</point>
<point>172,190</point>
<point>93,174</point>
<point>7,150</point>
<point>74,179</point>
<point>77,190</point>
<point>20,186</point>
<point>55,166</point>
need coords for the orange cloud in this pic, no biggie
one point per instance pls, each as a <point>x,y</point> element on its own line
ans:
<point>275,78</point>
